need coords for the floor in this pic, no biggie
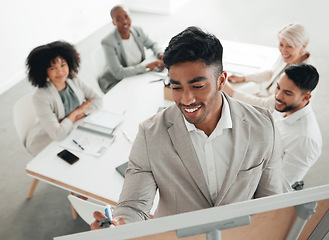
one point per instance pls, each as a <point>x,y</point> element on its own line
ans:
<point>48,213</point>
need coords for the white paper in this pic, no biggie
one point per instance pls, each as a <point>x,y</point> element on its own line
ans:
<point>92,143</point>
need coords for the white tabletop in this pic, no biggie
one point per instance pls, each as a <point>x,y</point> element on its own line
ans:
<point>138,99</point>
<point>245,58</point>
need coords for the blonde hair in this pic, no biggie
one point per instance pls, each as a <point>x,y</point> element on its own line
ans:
<point>294,34</point>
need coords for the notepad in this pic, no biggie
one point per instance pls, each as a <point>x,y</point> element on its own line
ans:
<point>88,141</point>
<point>104,119</point>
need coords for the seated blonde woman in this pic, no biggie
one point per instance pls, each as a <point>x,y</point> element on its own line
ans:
<point>293,41</point>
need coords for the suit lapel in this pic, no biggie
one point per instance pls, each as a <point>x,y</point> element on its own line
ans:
<point>240,137</point>
<point>184,147</point>
<point>59,106</point>
<point>138,41</point>
<point>121,51</point>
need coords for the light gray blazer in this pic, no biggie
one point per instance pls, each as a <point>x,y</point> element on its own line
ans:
<point>163,158</point>
<point>49,109</point>
<point>116,61</point>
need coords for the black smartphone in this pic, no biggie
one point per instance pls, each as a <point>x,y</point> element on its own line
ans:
<point>67,156</point>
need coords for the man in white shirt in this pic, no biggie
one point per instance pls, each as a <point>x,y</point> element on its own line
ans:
<point>204,151</point>
<point>298,127</point>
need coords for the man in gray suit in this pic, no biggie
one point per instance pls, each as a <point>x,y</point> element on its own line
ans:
<point>206,150</point>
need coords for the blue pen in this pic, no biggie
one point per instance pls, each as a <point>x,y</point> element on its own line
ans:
<point>107,222</point>
<point>109,212</point>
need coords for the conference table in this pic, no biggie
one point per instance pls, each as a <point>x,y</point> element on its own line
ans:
<point>136,98</point>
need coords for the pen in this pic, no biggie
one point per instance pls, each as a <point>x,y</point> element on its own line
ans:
<point>109,212</point>
<point>78,144</point>
<point>127,137</point>
<point>107,222</point>
<point>158,80</point>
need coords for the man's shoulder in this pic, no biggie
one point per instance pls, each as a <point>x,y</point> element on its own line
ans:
<point>303,131</point>
<point>307,125</point>
<point>163,119</point>
<point>249,113</point>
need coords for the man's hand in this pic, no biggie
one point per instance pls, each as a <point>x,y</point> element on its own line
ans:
<point>117,221</point>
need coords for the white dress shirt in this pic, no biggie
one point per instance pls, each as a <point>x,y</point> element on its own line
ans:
<point>301,141</point>
<point>132,51</point>
<point>214,152</point>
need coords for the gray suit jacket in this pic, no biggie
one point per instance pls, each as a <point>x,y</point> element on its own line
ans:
<point>163,157</point>
<point>49,108</point>
<point>116,61</point>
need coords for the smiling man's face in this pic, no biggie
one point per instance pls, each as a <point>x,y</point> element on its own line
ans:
<point>288,97</point>
<point>195,90</point>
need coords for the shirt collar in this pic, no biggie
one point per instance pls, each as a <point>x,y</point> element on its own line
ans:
<point>224,122</point>
<point>292,118</point>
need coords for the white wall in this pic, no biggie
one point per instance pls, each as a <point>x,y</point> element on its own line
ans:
<point>28,24</point>
<point>155,6</point>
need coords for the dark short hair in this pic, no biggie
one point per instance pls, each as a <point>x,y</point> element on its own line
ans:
<point>117,7</point>
<point>40,58</point>
<point>192,45</point>
<point>305,76</point>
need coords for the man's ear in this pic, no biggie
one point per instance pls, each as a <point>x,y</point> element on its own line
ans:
<point>307,96</point>
<point>221,80</point>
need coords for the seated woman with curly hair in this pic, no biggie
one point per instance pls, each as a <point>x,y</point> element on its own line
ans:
<point>61,98</point>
